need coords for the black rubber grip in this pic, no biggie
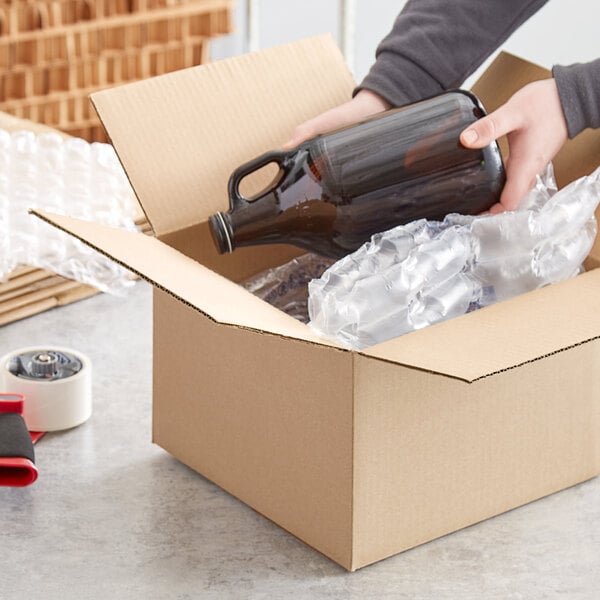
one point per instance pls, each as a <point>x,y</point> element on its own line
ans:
<point>15,441</point>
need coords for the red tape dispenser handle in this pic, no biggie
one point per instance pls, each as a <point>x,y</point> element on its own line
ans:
<point>17,461</point>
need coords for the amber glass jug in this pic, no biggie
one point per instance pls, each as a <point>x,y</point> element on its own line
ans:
<point>333,192</point>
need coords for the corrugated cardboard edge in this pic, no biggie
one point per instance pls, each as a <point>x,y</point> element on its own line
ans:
<point>491,373</point>
<point>307,335</point>
<point>414,346</point>
<point>506,335</point>
<point>140,205</point>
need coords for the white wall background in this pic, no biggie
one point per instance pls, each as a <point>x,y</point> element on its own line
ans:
<point>562,32</point>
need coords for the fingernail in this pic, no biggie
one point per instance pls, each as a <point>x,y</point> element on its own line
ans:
<point>470,136</point>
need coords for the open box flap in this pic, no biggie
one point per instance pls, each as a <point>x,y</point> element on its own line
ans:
<point>183,278</point>
<point>504,335</point>
<point>179,136</point>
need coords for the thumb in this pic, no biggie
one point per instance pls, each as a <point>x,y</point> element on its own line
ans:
<point>520,178</point>
<point>364,104</point>
<point>326,121</point>
<point>301,133</point>
<point>489,128</point>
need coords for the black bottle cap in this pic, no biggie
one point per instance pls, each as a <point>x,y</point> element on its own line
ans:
<point>220,232</point>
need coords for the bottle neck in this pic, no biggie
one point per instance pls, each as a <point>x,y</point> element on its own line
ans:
<point>247,223</point>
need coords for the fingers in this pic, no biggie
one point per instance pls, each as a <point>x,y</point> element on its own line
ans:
<point>364,104</point>
<point>520,178</point>
<point>484,131</point>
<point>520,171</point>
<point>332,119</point>
<point>535,126</point>
<point>495,209</point>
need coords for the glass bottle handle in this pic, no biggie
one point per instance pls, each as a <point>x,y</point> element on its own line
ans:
<point>276,156</point>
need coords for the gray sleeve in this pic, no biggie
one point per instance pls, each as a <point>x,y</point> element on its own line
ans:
<point>436,44</point>
<point>579,91</point>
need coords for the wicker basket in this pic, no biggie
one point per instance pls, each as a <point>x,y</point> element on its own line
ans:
<point>54,53</point>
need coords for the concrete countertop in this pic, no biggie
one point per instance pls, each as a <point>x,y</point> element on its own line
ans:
<point>114,516</point>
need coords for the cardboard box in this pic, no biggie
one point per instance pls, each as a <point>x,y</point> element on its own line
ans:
<point>359,454</point>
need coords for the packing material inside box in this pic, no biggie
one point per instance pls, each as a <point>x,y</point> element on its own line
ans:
<point>359,454</point>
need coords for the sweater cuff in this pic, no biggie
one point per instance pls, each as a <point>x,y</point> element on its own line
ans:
<point>415,84</point>
<point>579,91</point>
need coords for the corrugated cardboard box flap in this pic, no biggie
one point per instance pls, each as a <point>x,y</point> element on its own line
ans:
<point>179,155</point>
<point>184,278</point>
<point>485,342</point>
<point>505,335</point>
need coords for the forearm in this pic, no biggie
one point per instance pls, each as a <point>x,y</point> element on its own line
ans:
<point>436,44</point>
<point>579,91</point>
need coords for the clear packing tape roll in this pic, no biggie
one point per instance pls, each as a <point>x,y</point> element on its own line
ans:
<point>425,272</point>
<point>56,383</point>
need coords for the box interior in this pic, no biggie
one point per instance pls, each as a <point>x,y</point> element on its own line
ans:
<point>196,242</point>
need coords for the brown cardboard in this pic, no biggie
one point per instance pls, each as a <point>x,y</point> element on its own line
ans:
<point>433,454</point>
<point>260,421</point>
<point>359,454</point>
<point>188,152</point>
<point>503,336</point>
<point>185,279</point>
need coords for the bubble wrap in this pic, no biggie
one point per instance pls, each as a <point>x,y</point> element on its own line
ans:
<point>286,287</point>
<point>422,273</point>
<point>70,177</point>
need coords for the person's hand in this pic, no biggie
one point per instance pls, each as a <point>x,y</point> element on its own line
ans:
<point>535,126</point>
<point>364,104</point>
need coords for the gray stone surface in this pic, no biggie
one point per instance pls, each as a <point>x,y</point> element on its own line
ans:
<point>113,516</point>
